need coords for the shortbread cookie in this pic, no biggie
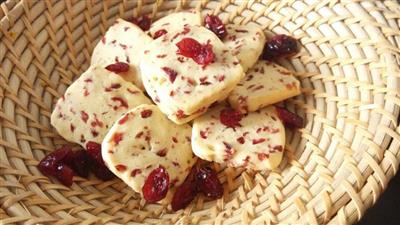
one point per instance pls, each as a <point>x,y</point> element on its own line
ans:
<point>180,85</point>
<point>264,84</point>
<point>246,42</point>
<point>175,21</point>
<point>143,140</point>
<point>92,104</point>
<point>255,140</point>
<point>123,42</point>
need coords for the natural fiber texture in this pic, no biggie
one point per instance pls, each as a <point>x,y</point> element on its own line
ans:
<point>334,168</point>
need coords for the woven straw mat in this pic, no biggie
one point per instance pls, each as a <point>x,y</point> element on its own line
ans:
<point>333,170</point>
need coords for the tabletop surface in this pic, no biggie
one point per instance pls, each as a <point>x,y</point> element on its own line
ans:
<point>386,211</point>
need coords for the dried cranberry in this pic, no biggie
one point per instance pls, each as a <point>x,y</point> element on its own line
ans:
<point>144,22</point>
<point>98,167</point>
<point>201,54</point>
<point>159,33</point>
<point>290,119</point>
<point>64,174</point>
<point>118,67</point>
<point>94,150</point>
<point>48,165</point>
<point>185,193</point>
<point>170,73</point>
<point>230,117</point>
<point>102,172</point>
<point>208,182</point>
<point>215,24</point>
<point>280,46</point>
<point>79,161</point>
<point>156,185</point>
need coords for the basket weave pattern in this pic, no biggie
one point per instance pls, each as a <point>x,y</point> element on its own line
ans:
<point>333,169</point>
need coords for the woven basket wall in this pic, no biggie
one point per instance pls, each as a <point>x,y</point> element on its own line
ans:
<point>334,168</point>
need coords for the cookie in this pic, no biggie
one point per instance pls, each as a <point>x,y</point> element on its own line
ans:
<point>123,42</point>
<point>92,103</point>
<point>246,42</point>
<point>143,140</point>
<point>174,21</point>
<point>179,85</point>
<point>255,140</point>
<point>264,84</point>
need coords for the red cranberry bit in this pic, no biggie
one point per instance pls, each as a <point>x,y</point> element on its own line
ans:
<point>136,172</point>
<point>98,168</point>
<point>280,46</point>
<point>159,33</point>
<point>84,116</point>
<point>258,141</point>
<point>117,137</point>
<point>120,167</point>
<point>119,67</point>
<point>290,119</point>
<point>180,114</point>
<point>48,165</point>
<point>208,182</point>
<point>185,193</point>
<point>146,113</point>
<point>240,140</point>
<point>170,73</point>
<point>230,117</point>
<point>201,54</point>
<point>215,24</point>
<point>79,161</point>
<point>94,151</point>
<point>156,185</point>
<point>64,174</point>
<point>123,119</point>
<point>122,102</point>
<point>162,152</point>
<point>144,22</point>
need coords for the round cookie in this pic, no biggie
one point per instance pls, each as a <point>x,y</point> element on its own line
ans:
<point>246,42</point>
<point>175,21</point>
<point>92,103</point>
<point>143,140</point>
<point>123,42</point>
<point>180,86</point>
<point>264,84</point>
<point>255,140</point>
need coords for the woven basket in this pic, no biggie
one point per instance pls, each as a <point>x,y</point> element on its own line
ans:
<point>333,170</point>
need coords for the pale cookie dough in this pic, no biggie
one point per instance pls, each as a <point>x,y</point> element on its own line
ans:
<point>144,139</point>
<point>175,21</point>
<point>264,84</point>
<point>246,42</point>
<point>194,87</point>
<point>123,42</point>
<point>258,142</point>
<point>92,104</point>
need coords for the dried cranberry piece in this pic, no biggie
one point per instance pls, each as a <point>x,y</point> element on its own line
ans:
<point>144,22</point>
<point>64,174</point>
<point>156,185</point>
<point>215,24</point>
<point>230,117</point>
<point>48,165</point>
<point>98,167</point>
<point>170,73</point>
<point>288,118</point>
<point>159,33</point>
<point>94,151</point>
<point>186,192</point>
<point>118,67</point>
<point>280,46</point>
<point>79,161</point>
<point>208,182</point>
<point>201,54</point>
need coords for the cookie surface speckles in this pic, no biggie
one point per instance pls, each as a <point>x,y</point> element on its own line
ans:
<point>175,21</point>
<point>92,104</point>
<point>123,42</point>
<point>255,141</point>
<point>264,84</point>
<point>246,42</point>
<point>155,141</point>
<point>194,87</point>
